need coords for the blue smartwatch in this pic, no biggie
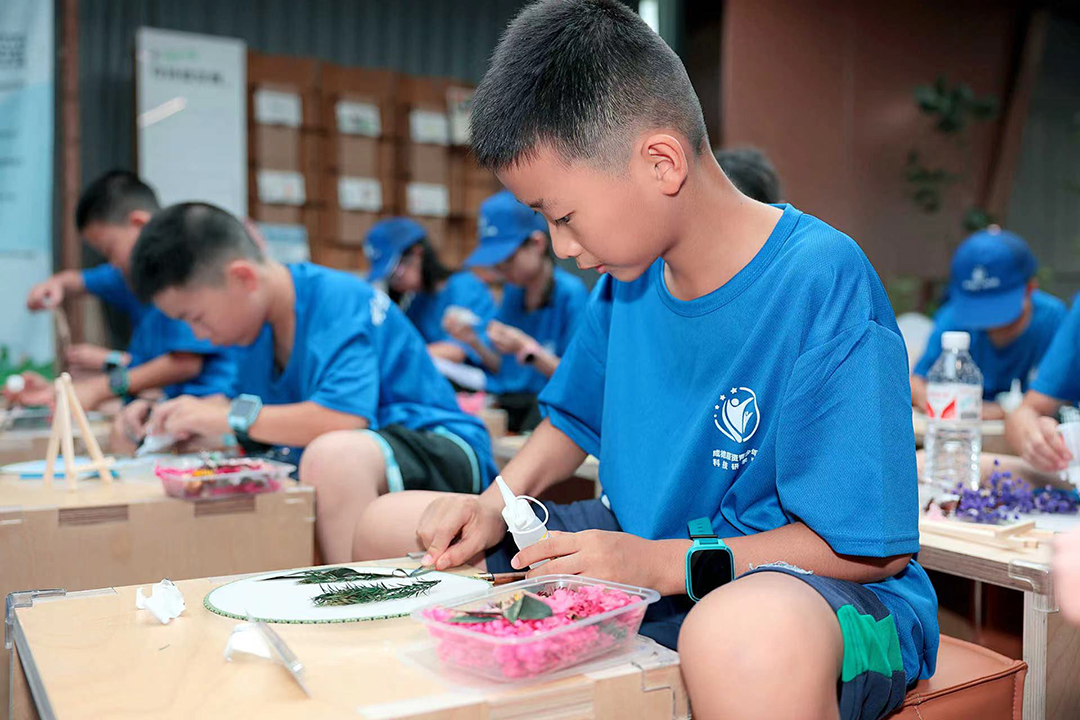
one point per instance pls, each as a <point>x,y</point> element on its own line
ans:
<point>709,562</point>
<point>242,414</point>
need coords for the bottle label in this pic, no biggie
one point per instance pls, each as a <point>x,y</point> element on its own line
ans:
<point>953,401</point>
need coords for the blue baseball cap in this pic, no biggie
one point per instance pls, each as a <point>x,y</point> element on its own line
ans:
<point>990,274</point>
<point>386,241</point>
<point>505,223</point>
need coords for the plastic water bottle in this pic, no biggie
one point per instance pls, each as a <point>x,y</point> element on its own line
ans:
<point>954,416</point>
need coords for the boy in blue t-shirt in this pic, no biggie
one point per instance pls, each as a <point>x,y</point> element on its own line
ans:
<point>328,364</point>
<point>1032,429</point>
<point>540,308</point>
<point>994,296</point>
<point>739,374</point>
<point>163,358</point>
<point>423,287</point>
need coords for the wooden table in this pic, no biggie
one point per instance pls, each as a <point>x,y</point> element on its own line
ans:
<point>1051,646</point>
<point>131,532</point>
<point>93,655</point>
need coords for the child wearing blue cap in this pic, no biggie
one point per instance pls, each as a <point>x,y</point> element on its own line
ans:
<point>327,364</point>
<point>540,307</point>
<point>1032,430</point>
<point>994,296</point>
<point>164,357</point>
<point>423,287</point>
<point>739,374</point>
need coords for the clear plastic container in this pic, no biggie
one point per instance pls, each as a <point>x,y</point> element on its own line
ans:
<point>508,658</point>
<point>195,477</point>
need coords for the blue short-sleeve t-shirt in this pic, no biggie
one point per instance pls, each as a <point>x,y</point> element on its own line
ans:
<point>552,325</point>
<point>1001,365</point>
<point>782,396</point>
<point>462,289</point>
<point>355,352</point>
<point>108,283</point>
<point>158,334</point>
<point>1059,372</point>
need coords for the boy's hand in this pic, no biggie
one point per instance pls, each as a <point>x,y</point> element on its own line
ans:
<point>36,391</point>
<point>1066,566</point>
<point>93,391</point>
<point>45,295</point>
<point>1042,445</point>
<point>479,525</point>
<point>615,556</point>
<point>506,339</point>
<point>87,357</point>
<point>133,419</point>
<point>186,417</point>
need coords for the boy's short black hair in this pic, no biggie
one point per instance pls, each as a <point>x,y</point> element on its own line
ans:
<point>184,243</point>
<point>583,76</point>
<point>750,170</point>
<point>111,197</point>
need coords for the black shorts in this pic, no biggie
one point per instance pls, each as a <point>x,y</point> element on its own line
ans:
<point>427,460</point>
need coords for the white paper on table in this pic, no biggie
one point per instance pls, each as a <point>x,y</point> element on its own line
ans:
<point>165,601</point>
<point>246,638</point>
<point>467,376</point>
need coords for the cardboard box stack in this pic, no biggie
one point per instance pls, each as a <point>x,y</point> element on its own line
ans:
<point>469,185</point>
<point>285,136</point>
<point>424,166</point>
<point>359,160</point>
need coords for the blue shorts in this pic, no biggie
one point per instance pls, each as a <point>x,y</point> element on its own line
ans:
<point>872,683</point>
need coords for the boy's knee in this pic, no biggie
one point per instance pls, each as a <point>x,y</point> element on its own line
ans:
<point>343,453</point>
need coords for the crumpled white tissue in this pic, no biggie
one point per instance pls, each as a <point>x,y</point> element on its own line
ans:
<point>247,638</point>
<point>165,601</point>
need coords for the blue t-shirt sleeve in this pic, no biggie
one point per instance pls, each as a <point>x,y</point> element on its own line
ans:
<point>344,372</point>
<point>845,448</point>
<point>1058,374</point>
<point>573,399</point>
<point>932,351</point>
<point>108,283</point>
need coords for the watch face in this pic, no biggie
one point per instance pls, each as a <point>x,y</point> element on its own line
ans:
<point>709,569</point>
<point>244,408</point>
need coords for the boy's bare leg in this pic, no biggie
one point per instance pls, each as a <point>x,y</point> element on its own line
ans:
<point>763,647</point>
<point>387,527</point>
<point>348,472</point>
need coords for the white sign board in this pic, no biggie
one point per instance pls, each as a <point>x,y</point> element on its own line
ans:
<point>26,173</point>
<point>191,116</point>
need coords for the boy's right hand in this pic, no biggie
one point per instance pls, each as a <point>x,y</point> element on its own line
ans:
<point>36,390</point>
<point>1042,445</point>
<point>45,295</point>
<point>133,419</point>
<point>479,524</point>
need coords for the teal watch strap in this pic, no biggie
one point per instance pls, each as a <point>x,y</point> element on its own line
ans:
<point>702,527</point>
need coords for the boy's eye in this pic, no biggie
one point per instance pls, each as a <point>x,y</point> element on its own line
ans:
<point>563,220</point>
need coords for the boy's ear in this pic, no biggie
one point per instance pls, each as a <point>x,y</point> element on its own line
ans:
<point>244,273</point>
<point>138,218</point>
<point>666,160</point>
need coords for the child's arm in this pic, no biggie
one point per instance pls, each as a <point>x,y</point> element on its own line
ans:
<point>447,351</point>
<point>454,527</point>
<point>466,333</point>
<point>296,424</point>
<point>661,564</point>
<point>164,370</point>
<point>49,294</point>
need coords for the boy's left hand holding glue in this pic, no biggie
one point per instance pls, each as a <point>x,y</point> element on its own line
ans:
<point>601,554</point>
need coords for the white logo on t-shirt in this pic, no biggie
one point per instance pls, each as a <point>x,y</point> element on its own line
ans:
<point>737,415</point>
<point>379,304</point>
<point>980,280</point>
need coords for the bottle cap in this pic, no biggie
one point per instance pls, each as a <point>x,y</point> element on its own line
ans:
<point>955,340</point>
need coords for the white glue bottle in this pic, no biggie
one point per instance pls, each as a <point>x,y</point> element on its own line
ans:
<point>526,528</point>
